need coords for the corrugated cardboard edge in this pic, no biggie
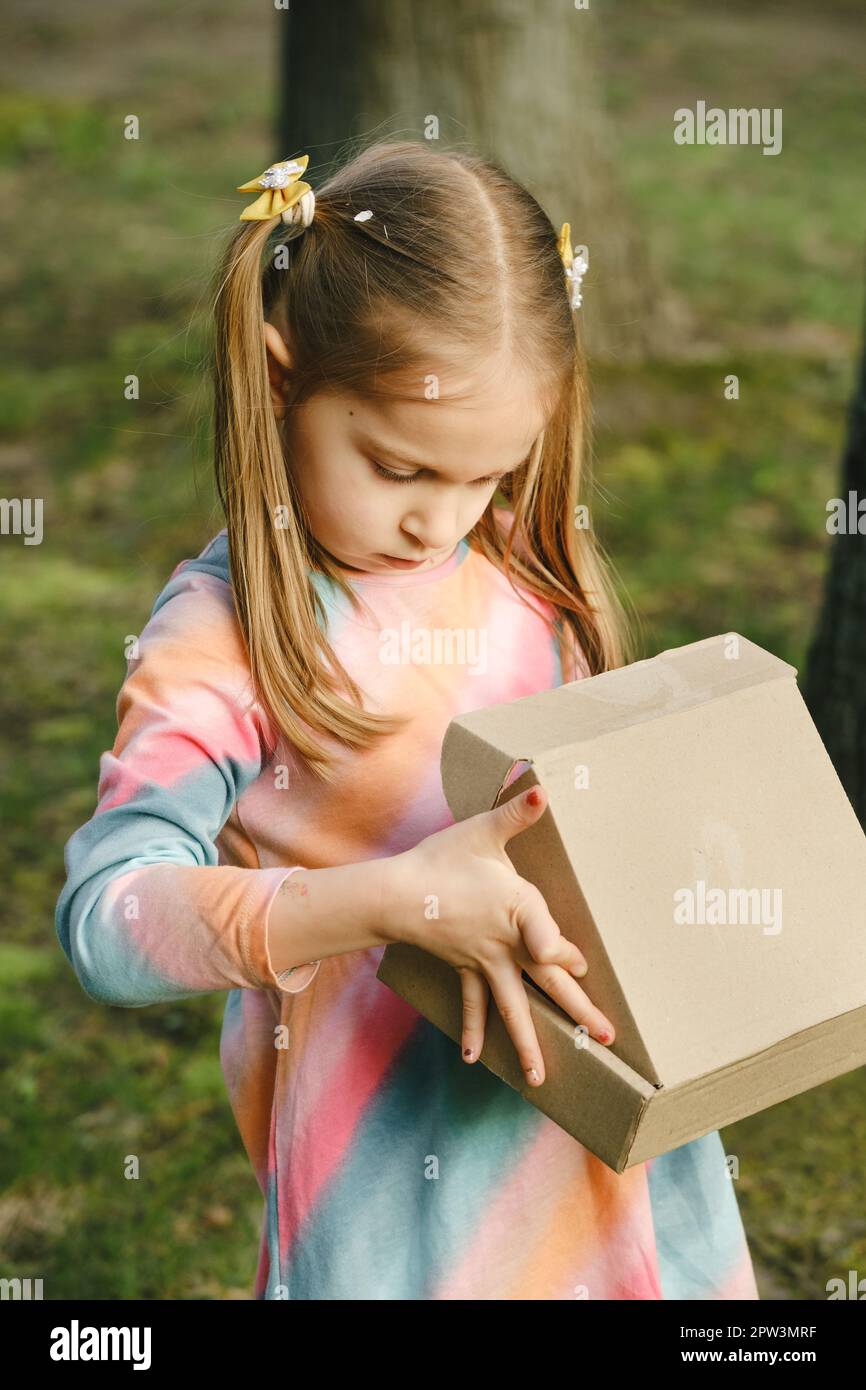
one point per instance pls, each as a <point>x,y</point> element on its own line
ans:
<point>462,748</point>
<point>788,1068</point>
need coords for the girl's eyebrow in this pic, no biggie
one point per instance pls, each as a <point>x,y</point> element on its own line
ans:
<point>394,457</point>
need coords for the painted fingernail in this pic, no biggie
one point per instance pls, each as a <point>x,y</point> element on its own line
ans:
<point>468,1053</point>
<point>533,1076</point>
<point>604,1037</point>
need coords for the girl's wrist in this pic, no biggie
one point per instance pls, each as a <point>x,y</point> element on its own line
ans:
<point>330,911</point>
<point>401,905</point>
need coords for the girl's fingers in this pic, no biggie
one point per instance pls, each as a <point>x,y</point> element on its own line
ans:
<point>564,953</point>
<point>475,998</point>
<point>509,992</point>
<point>543,939</point>
<point>567,993</point>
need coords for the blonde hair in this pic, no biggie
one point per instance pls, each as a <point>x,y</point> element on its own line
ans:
<point>457,255</point>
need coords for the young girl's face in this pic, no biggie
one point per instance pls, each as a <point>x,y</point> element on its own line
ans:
<point>385,480</point>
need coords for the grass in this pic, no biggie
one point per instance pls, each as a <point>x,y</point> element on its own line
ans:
<point>712,509</point>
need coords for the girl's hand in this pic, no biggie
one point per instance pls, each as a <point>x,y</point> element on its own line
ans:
<point>489,923</point>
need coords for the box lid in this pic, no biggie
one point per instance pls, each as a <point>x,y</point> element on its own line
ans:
<point>697,823</point>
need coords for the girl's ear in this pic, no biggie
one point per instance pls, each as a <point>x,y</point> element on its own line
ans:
<point>279,365</point>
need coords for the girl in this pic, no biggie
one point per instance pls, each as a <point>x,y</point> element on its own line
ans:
<point>402,351</point>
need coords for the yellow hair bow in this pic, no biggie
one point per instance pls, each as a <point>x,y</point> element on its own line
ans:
<point>283,189</point>
<point>575,266</point>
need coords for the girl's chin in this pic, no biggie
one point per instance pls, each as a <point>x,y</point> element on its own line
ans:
<point>346,564</point>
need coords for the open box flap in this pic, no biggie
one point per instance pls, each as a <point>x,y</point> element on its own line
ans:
<point>688,769</point>
<point>554,720</point>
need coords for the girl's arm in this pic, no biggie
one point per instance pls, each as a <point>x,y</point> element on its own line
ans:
<point>147,914</point>
<point>325,912</point>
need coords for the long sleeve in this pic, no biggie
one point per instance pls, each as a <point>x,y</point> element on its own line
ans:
<point>147,913</point>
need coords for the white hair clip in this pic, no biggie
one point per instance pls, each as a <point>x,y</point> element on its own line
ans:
<point>575,266</point>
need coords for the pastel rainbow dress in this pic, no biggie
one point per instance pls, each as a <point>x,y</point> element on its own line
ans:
<point>389,1168</point>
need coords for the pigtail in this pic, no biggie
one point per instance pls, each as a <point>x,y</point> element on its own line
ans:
<point>279,612</point>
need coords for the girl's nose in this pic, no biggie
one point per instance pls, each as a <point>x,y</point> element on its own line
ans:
<point>434,529</point>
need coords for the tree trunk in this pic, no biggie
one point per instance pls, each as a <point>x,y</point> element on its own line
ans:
<point>518,82</point>
<point>834,687</point>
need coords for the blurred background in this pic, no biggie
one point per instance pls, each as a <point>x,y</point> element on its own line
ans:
<point>705,262</point>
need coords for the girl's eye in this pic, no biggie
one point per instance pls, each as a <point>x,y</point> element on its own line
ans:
<point>393,477</point>
<point>411,477</point>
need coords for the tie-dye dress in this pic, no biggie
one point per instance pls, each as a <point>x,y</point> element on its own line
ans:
<point>390,1169</point>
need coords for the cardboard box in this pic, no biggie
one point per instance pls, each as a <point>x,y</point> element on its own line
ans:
<point>677,787</point>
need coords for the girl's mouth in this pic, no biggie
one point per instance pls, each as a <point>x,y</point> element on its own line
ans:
<point>402,564</point>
